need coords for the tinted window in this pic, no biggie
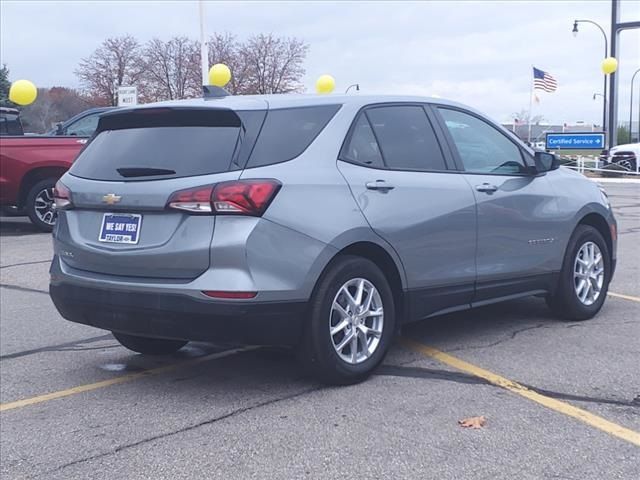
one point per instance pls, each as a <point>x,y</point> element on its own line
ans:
<point>10,125</point>
<point>288,132</point>
<point>482,148</point>
<point>83,127</point>
<point>185,150</point>
<point>406,138</point>
<point>362,147</point>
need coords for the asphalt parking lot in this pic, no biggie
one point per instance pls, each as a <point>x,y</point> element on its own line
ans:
<point>76,405</point>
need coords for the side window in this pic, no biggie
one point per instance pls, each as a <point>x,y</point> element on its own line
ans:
<point>287,132</point>
<point>482,148</point>
<point>406,138</point>
<point>84,127</point>
<point>362,147</point>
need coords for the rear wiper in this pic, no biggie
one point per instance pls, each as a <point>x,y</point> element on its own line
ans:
<point>129,172</point>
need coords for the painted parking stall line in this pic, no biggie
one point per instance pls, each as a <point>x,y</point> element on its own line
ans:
<point>584,416</point>
<point>118,380</point>
<point>625,297</point>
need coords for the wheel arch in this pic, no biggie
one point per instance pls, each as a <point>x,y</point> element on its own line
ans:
<point>600,223</point>
<point>34,176</point>
<point>387,262</point>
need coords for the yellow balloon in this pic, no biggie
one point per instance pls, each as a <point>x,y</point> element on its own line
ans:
<point>23,92</point>
<point>219,75</point>
<point>609,65</point>
<point>325,84</point>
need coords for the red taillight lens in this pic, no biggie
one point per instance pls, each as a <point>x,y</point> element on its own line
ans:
<point>197,200</point>
<point>226,294</point>
<point>244,197</point>
<point>62,196</point>
<point>239,197</point>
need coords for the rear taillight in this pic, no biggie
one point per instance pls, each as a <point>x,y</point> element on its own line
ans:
<point>62,196</point>
<point>239,197</point>
<point>196,200</point>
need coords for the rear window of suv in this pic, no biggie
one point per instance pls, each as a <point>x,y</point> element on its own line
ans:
<point>161,143</point>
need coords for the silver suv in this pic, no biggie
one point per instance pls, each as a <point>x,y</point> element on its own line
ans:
<point>320,222</point>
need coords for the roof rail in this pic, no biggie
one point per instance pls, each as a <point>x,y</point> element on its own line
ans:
<point>211,91</point>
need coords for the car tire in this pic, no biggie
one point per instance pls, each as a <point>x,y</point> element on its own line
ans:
<point>39,205</point>
<point>149,346</point>
<point>567,301</point>
<point>319,349</point>
<point>629,165</point>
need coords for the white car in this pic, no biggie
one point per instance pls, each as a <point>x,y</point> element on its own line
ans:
<point>626,156</point>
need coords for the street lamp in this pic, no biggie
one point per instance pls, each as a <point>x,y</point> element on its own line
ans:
<point>606,53</point>
<point>354,85</point>
<point>631,110</point>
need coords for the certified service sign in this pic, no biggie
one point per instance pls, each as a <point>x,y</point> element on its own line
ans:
<point>575,141</point>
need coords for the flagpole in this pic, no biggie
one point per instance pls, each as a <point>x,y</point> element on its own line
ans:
<point>204,54</point>
<point>530,106</point>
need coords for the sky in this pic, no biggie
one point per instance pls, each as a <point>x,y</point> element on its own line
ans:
<point>476,52</point>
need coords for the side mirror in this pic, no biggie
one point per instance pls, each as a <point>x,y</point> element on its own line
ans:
<point>59,130</point>
<point>545,162</point>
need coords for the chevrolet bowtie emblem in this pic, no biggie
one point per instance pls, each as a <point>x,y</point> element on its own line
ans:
<point>111,198</point>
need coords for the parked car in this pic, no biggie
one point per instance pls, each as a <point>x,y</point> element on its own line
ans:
<point>10,123</point>
<point>30,165</point>
<point>80,125</point>
<point>319,222</point>
<point>626,156</point>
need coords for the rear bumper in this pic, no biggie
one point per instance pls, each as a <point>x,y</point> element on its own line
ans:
<point>178,316</point>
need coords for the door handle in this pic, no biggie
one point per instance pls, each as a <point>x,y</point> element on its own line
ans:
<point>380,185</point>
<point>486,187</point>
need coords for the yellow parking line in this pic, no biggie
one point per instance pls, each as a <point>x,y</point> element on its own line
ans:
<point>562,407</point>
<point>115,381</point>
<point>626,297</point>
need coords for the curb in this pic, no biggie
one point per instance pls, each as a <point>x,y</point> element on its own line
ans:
<point>616,180</point>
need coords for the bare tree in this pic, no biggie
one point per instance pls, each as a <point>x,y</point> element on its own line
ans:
<point>275,63</point>
<point>224,48</point>
<point>262,64</point>
<point>116,62</point>
<point>53,105</point>
<point>172,69</point>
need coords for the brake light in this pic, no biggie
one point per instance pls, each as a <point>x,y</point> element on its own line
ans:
<point>197,200</point>
<point>62,196</point>
<point>238,197</point>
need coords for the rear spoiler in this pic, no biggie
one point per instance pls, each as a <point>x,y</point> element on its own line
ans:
<point>168,117</point>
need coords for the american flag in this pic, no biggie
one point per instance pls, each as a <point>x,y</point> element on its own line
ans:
<point>544,81</point>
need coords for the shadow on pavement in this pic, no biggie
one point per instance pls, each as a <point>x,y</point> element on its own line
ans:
<point>16,226</point>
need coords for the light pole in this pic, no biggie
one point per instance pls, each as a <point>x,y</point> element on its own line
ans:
<point>606,54</point>
<point>631,110</point>
<point>354,85</point>
<point>604,99</point>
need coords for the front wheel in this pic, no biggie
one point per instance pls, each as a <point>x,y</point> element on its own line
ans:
<point>352,322</point>
<point>149,346</point>
<point>584,279</point>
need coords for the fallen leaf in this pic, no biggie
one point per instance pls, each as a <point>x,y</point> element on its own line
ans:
<point>473,422</point>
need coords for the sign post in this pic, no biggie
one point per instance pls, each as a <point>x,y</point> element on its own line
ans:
<point>575,141</point>
<point>127,96</point>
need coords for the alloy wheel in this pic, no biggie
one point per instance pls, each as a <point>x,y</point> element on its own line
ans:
<point>356,321</point>
<point>588,273</point>
<point>44,206</point>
